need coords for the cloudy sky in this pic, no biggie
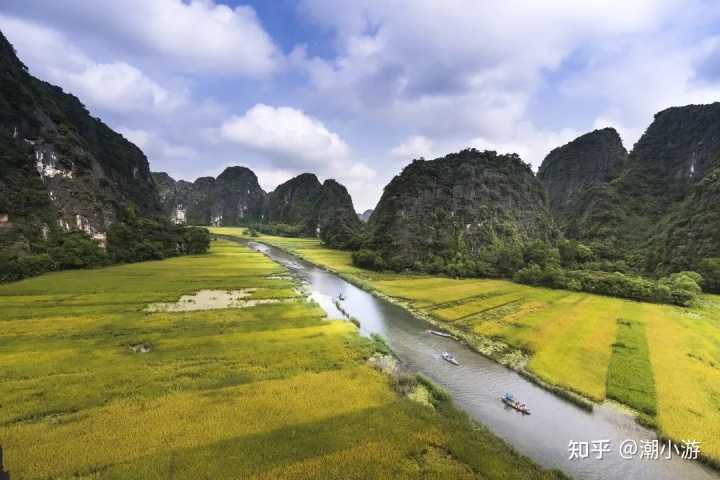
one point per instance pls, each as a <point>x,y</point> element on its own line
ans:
<point>355,89</point>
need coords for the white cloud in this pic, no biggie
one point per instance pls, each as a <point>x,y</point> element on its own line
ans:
<point>119,87</point>
<point>415,146</point>
<point>643,80</point>
<point>114,86</point>
<point>468,73</point>
<point>194,35</point>
<point>269,179</point>
<point>285,133</point>
<point>293,143</point>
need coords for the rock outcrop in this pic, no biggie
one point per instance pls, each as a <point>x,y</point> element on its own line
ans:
<point>294,203</point>
<point>568,172</point>
<point>234,198</point>
<point>314,209</point>
<point>365,216</point>
<point>459,205</point>
<point>655,212</point>
<point>60,166</point>
<point>301,206</point>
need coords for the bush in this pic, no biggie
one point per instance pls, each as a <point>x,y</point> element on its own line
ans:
<point>197,240</point>
<point>684,287</point>
<point>439,393</point>
<point>74,249</point>
<point>365,258</point>
<point>380,344</point>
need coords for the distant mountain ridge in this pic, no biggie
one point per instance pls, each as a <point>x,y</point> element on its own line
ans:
<point>365,216</point>
<point>233,198</point>
<point>301,206</point>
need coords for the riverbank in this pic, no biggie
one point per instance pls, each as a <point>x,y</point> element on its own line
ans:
<point>572,339</point>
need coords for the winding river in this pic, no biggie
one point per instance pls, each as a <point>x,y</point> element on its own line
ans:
<point>478,383</point>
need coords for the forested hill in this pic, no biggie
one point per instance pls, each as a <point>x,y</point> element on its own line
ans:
<point>584,165</point>
<point>302,206</point>
<point>654,213</point>
<point>453,209</point>
<point>59,163</point>
<point>66,177</point>
<point>233,198</point>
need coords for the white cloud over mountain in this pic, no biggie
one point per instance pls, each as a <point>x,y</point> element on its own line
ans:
<point>352,90</point>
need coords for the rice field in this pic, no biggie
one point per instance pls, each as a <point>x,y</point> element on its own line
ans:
<point>661,360</point>
<point>93,385</point>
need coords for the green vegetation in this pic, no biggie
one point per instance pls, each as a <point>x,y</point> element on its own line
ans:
<point>586,164</point>
<point>94,386</point>
<point>629,379</point>
<point>133,239</point>
<point>444,215</point>
<point>652,212</point>
<point>102,177</point>
<point>302,207</point>
<point>660,360</point>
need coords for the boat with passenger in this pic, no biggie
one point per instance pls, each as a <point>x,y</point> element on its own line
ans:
<point>513,402</point>
<point>451,357</point>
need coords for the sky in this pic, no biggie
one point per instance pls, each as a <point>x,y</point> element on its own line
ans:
<point>356,89</point>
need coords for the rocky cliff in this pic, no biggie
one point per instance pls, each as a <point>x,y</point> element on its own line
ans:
<point>60,166</point>
<point>459,205</point>
<point>234,198</point>
<point>365,216</point>
<point>337,222</point>
<point>568,172</point>
<point>294,203</point>
<point>314,209</point>
<point>655,212</point>
<point>671,188</point>
<point>301,206</point>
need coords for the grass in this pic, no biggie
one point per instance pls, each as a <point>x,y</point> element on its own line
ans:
<point>661,360</point>
<point>630,376</point>
<point>270,391</point>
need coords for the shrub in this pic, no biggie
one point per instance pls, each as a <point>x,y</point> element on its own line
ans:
<point>197,239</point>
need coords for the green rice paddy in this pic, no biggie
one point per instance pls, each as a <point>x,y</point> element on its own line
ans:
<point>92,385</point>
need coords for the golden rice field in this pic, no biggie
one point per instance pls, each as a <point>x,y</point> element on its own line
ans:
<point>659,359</point>
<point>92,385</point>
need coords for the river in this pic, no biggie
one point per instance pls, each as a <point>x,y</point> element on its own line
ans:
<point>478,383</point>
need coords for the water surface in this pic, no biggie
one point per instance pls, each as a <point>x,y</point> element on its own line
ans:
<point>478,383</point>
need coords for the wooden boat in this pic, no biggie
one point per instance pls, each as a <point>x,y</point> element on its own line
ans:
<point>442,334</point>
<point>451,357</point>
<point>513,402</point>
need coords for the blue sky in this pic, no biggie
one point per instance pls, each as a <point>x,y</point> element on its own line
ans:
<point>354,90</point>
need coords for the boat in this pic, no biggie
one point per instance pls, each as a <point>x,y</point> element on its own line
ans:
<point>442,334</point>
<point>451,357</point>
<point>513,402</point>
<point>341,297</point>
